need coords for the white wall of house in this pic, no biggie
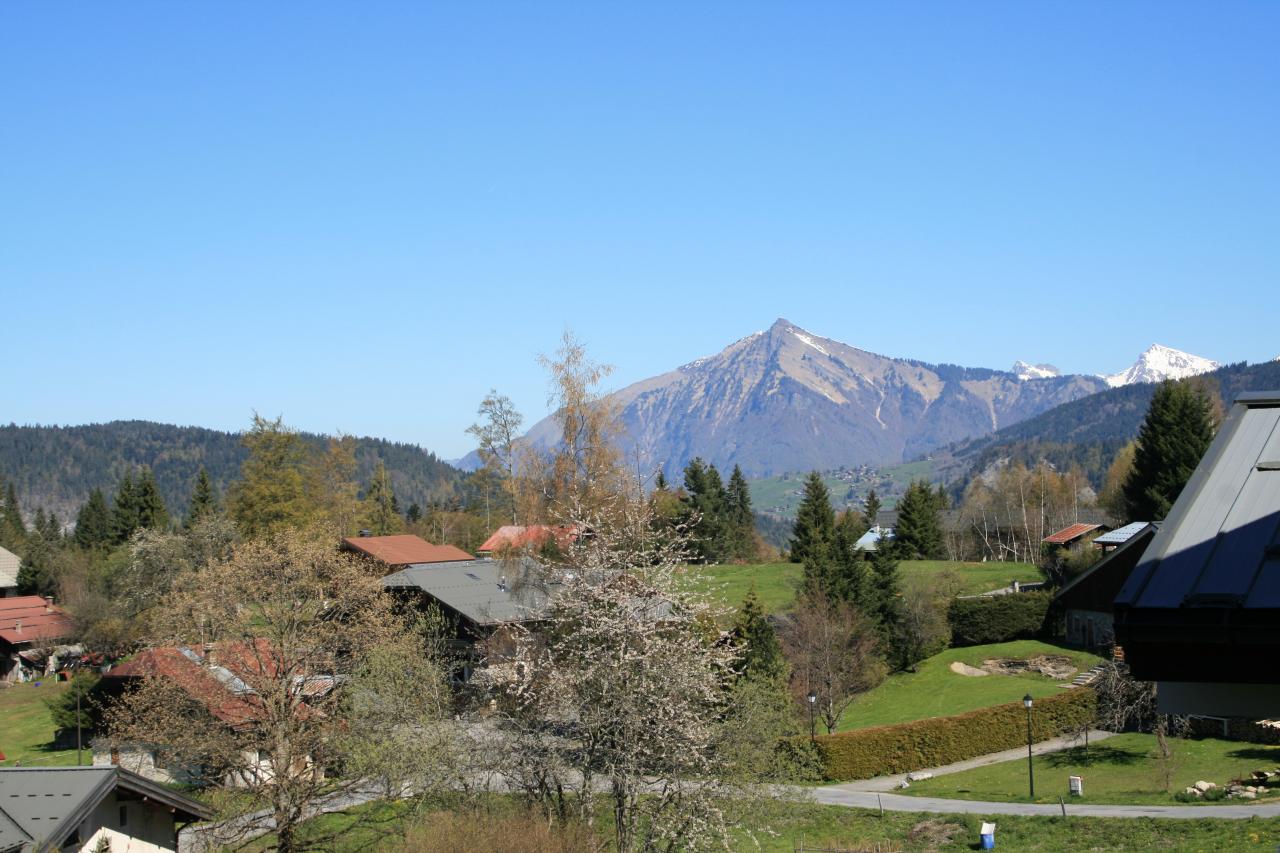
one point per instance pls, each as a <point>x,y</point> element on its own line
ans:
<point>130,826</point>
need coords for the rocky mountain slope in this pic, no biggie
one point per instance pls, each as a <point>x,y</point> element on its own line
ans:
<point>786,399</point>
<point>1158,363</point>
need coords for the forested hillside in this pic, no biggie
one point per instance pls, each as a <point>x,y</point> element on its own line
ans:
<point>57,467</point>
<point>1088,432</point>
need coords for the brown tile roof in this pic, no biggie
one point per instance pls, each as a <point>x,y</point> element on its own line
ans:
<point>29,618</point>
<point>532,536</point>
<point>1070,533</point>
<point>404,550</point>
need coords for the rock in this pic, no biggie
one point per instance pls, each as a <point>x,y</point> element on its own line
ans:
<point>904,784</point>
<point>1251,789</point>
<point>1203,786</point>
<point>1195,791</point>
<point>918,776</point>
<point>1248,795</point>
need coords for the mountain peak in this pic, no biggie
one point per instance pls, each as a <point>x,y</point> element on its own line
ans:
<point>1158,363</point>
<point>1024,371</point>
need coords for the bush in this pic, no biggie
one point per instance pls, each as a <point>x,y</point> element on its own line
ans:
<point>998,618</point>
<point>865,753</point>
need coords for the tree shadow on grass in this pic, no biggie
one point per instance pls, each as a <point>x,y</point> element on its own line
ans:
<point>1257,753</point>
<point>1100,755</point>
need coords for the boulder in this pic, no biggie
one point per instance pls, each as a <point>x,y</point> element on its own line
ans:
<point>1194,791</point>
<point>1203,786</point>
<point>1247,795</point>
<point>918,775</point>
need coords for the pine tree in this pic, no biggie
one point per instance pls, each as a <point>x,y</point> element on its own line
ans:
<point>851,578</point>
<point>381,515</point>
<point>741,522</point>
<point>814,528</point>
<point>152,513</point>
<point>13,531</point>
<point>48,526</point>
<point>871,509</point>
<point>203,504</point>
<point>761,652</point>
<point>918,533</point>
<point>125,510</point>
<point>705,497</point>
<point>93,523</point>
<point>660,484</point>
<point>888,610</point>
<point>414,514</point>
<point>272,495</point>
<point>1174,436</point>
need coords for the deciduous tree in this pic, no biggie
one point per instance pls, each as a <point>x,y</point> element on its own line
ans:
<point>272,495</point>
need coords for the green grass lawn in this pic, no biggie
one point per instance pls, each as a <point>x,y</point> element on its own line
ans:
<point>935,691</point>
<point>778,583</point>
<point>778,828</point>
<point>26,728</point>
<point>1121,769</point>
<point>972,578</point>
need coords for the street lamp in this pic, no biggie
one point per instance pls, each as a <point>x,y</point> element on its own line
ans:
<point>813,700</point>
<point>1031,776</point>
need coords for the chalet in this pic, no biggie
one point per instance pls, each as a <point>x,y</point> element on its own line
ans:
<point>1085,602</point>
<point>478,597</point>
<point>870,541</point>
<point>397,552</point>
<point>30,628</point>
<point>10,565</point>
<point>90,808</point>
<point>528,538</point>
<point>1073,535</point>
<point>1199,613</point>
<point>222,683</point>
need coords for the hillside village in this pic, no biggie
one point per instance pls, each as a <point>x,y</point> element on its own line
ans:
<point>299,644</point>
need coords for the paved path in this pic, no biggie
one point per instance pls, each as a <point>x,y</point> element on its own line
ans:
<point>890,783</point>
<point>874,793</point>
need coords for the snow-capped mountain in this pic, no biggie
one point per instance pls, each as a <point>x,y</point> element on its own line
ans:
<point>1159,363</point>
<point>1025,371</point>
<point>786,399</point>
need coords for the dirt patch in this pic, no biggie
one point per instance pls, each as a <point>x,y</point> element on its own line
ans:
<point>934,834</point>
<point>1054,666</point>
<point>964,669</point>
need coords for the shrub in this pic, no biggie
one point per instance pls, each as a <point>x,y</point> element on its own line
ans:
<point>865,753</point>
<point>513,833</point>
<point>997,619</point>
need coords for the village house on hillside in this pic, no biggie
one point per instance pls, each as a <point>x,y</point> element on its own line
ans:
<point>1198,614</point>
<point>30,627</point>
<point>219,679</point>
<point>90,809</point>
<point>1085,602</point>
<point>528,538</point>
<point>403,550</point>
<point>10,565</point>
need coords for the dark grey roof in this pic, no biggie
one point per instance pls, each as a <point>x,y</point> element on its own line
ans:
<point>1220,546</point>
<point>40,807</point>
<point>1096,587</point>
<point>485,592</point>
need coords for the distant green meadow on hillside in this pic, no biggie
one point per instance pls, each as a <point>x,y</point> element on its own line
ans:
<point>780,495</point>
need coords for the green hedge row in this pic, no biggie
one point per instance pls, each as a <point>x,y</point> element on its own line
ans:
<point>867,753</point>
<point>998,618</point>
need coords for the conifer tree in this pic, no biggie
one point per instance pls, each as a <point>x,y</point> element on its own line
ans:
<point>888,611</point>
<point>93,523</point>
<point>48,526</point>
<point>740,520</point>
<point>1174,436</point>
<point>814,528</point>
<point>705,496</point>
<point>13,531</point>
<point>851,576</point>
<point>152,513</point>
<point>381,515</point>
<point>125,510</point>
<point>761,653</point>
<point>871,509</point>
<point>414,514</point>
<point>271,495</point>
<point>918,533</point>
<point>660,483</point>
<point>203,503</point>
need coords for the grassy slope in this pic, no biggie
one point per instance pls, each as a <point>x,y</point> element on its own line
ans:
<point>781,495</point>
<point>833,826</point>
<point>777,583</point>
<point>26,728</point>
<point>1121,769</point>
<point>935,691</point>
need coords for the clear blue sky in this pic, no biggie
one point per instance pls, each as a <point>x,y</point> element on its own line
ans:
<point>364,215</point>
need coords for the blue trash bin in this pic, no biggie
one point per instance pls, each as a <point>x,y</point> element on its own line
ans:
<point>988,836</point>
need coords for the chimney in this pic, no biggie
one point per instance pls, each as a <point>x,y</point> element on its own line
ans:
<point>17,626</point>
<point>48,604</point>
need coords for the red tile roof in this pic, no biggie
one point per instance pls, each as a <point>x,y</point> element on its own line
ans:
<point>532,536</point>
<point>1070,533</point>
<point>27,619</point>
<point>404,550</point>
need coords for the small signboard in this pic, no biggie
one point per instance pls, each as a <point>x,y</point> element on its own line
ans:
<point>1077,785</point>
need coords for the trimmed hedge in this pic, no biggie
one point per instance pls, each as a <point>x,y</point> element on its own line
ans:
<point>998,618</point>
<point>866,753</point>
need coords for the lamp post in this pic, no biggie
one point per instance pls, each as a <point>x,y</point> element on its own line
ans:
<point>1031,775</point>
<point>813,700</point>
